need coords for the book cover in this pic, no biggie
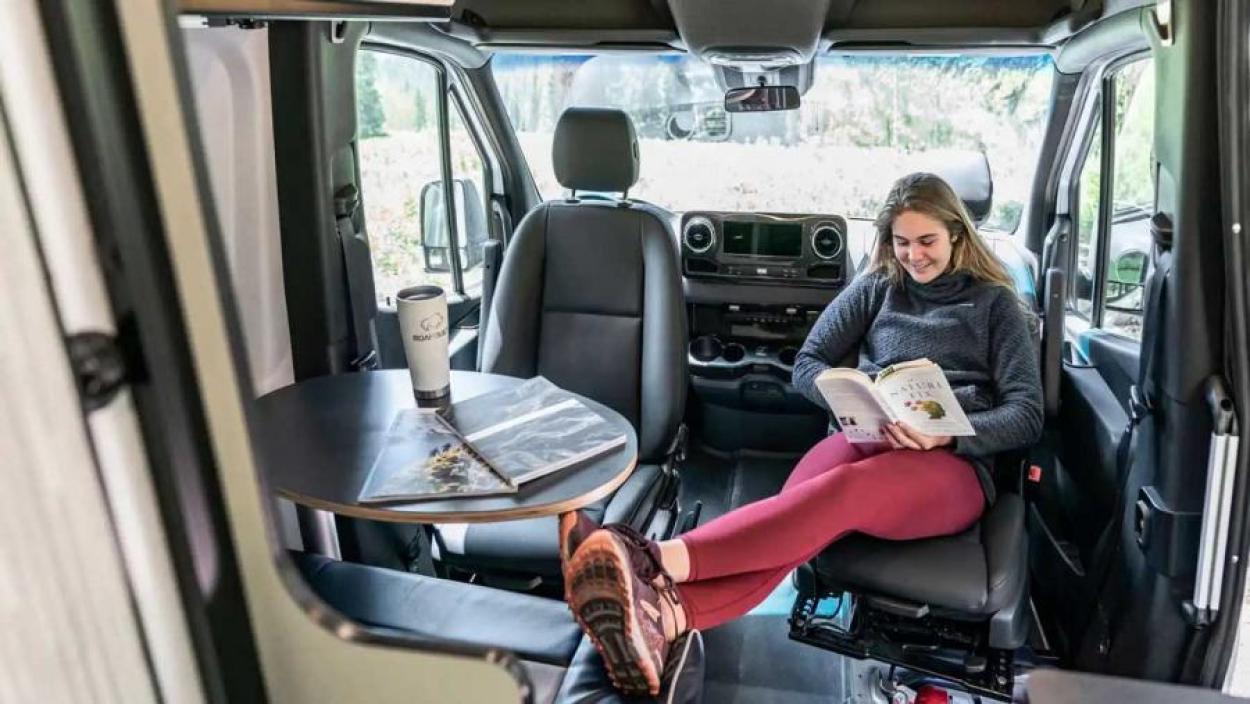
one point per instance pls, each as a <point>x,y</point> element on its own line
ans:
<point>920,396</point>
<point>423,457</point>
<point>534,429</point>
<point>915,392</point>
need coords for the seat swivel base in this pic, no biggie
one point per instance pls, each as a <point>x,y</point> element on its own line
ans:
<point>949,649</point>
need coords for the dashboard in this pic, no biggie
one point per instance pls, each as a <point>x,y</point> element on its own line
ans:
<point>796,250</point>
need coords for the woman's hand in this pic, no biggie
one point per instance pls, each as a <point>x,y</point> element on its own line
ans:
<point>902,436</point>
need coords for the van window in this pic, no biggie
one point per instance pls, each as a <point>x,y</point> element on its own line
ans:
<point>1088,214</point>
<point>401,165</point>
<point>865,121</point>
<point>1120,268</point>
<point>1133,200</point>
<point>397,132</point>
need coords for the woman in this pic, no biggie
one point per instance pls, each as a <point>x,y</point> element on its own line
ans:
<point>933,290</point>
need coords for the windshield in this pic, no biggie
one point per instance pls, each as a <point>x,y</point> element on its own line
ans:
<point>865,121</point>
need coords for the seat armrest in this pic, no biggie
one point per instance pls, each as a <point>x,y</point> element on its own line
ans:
<point>1006,552</point>
<point>635,496</point>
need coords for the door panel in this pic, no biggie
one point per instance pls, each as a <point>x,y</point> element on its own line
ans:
<point>1092,419</point>
<point>1115,357</point>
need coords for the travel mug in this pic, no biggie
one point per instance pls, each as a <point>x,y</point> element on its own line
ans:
<point>423,325</point>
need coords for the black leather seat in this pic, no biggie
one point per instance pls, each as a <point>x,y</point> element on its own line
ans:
<point>560,662</point>
<point>909,593</point>
<point>982,570</point>
<point>589,296</point>
<point>440,611</point>
<point>973,575</point>
<point>954,606</point>
<point>586,681</point>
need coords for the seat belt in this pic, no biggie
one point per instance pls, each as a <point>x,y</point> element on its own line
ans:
<point>1141,404</point>
<point>492,260</point>
<point>357,278</point>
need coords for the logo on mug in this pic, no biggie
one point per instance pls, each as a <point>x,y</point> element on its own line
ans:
<point>433,327</point>
<point>432,322</point>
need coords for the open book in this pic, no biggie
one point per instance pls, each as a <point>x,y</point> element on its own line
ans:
<point>915,392</point>
<point>423,457</point>
<point>489,444</point>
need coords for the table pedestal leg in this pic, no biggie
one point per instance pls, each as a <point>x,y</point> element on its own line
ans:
<point>318,531</point>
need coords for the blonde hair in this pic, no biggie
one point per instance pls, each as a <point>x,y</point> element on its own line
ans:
<point>928,194</point>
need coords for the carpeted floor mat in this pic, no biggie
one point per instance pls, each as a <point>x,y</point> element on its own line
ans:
<point>724,482</point>
<point>752,659</point>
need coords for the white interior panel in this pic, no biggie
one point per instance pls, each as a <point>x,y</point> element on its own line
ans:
<point>229,70</point>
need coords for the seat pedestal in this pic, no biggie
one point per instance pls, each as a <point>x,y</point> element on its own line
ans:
<point>946,648</point>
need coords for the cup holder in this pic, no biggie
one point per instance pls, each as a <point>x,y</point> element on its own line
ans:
<point>787,355</point>
<point>709,348</point>
<point>705,348</point>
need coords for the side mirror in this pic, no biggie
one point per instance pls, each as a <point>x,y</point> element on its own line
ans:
<point>470,225</point>
<point>762,99</point>
<point>1125,282</point>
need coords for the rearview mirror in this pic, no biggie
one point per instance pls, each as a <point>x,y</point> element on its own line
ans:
<point>762,99</point>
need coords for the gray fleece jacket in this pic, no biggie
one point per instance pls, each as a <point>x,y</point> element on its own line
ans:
<point>976,332</point>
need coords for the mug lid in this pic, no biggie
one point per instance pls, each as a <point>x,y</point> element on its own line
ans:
<point>419,293</point>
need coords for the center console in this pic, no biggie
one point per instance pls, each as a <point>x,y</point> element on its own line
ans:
<point>741,358</point>
<point>731,339</point>
<point>755,285</point>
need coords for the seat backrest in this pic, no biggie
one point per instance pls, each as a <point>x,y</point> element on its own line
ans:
<point>968,173</point>
<point>589,294</point>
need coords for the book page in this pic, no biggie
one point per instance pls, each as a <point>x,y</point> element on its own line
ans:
<point>424,458</point>
<point>534,429</point>
<point>497,409</point>
<point>855,406</point>
<point>541,442</point>
<point>921,397</point>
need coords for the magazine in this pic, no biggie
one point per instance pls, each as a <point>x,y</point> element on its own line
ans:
<point>423,457</point>
<point>489,444</point>
<point>534,429</point>
<point>915,393</point>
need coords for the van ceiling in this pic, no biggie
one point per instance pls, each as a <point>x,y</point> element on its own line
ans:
<point>843,14</point>
<point>849,23</point>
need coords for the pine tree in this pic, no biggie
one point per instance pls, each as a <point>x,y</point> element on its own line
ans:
<point>369,114</point>
<point>420,116</point>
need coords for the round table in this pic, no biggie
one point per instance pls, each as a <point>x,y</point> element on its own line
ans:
<point>319,438</point>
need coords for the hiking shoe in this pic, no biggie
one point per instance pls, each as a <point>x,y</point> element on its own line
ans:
<point>617,590</point>
<point>575,527</point>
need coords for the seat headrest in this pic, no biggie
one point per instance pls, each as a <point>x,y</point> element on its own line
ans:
<point>968,173</point>
<point>595,150</point>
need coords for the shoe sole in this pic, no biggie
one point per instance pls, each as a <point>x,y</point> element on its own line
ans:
<point>601,598</point>
<point>568,523</point>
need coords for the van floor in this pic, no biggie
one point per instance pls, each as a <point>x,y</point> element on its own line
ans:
<point>751,659</point>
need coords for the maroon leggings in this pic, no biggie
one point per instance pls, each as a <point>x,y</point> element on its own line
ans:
<point>737,559</point>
